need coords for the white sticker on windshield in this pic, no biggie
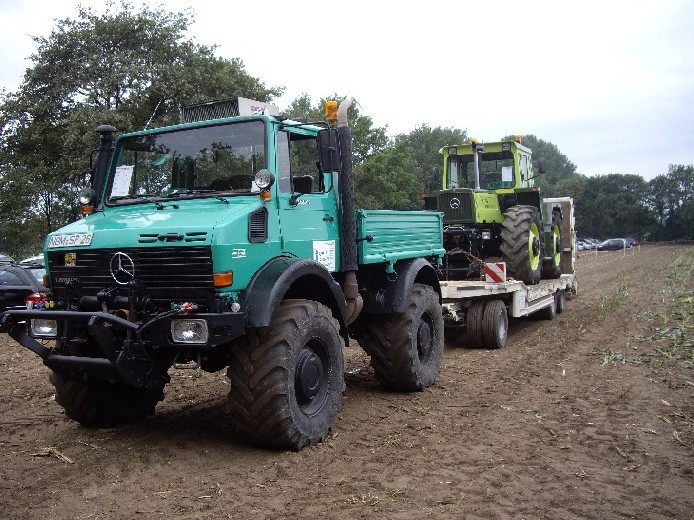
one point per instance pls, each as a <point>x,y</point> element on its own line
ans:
<point>324,253</point>
<point>121,180</point>
<point>507,173</point>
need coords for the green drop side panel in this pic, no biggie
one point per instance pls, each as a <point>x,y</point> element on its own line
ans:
<point>399,235</point>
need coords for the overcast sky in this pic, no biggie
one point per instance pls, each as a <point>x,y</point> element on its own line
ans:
<point>609,82</point>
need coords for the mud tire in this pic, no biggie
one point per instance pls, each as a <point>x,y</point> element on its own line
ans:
<point>287,379</point>
<point>552,266</point>
<point>406,348</point>
<point>104,404</point>
<point>521,245</point>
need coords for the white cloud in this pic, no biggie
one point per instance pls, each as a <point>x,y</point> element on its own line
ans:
<point>607,82</point>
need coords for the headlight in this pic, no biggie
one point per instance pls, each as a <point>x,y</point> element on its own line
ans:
<point>189,331</point>
<point>264,179</point>
<point>44,328</point>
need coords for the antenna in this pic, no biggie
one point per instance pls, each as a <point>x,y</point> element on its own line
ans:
<point>152,116</point>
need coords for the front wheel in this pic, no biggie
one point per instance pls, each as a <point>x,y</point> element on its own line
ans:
<point>103,404</point>
<point>552,265</point>
<point>406,348</point>
<point>287,379</point>
<point>521,245</point>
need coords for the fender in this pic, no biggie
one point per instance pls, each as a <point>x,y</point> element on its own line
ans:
<point>397,293</point>
<point>285,277</point>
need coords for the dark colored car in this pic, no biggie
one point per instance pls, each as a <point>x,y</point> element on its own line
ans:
<point>613,244</point>
<point>20,283</point>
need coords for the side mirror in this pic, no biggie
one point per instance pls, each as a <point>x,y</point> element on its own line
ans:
<point>541,166</point>
<point>436,175</point>
<point>329,160</point>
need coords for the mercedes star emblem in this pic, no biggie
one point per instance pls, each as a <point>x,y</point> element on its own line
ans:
<point>455,203</point>
<point>122,268</point>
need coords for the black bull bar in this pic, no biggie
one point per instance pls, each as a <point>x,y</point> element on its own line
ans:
<point>126,362</point>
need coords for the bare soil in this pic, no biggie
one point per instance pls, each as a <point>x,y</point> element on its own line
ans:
<point>589,416</point>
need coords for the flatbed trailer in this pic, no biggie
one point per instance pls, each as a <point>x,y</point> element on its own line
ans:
<point>476,311</point>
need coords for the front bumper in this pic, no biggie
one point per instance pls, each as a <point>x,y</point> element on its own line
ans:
<point>128,358</point>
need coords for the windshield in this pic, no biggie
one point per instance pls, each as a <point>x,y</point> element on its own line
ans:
<point>496,171</point>
<point>210,159</point>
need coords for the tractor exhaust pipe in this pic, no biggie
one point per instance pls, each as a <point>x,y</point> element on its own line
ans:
<point>350,287</point>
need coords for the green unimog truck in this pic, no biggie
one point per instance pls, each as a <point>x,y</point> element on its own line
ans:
<point>232,242</point>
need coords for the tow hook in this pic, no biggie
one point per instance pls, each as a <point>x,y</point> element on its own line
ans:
<point>189,365</point>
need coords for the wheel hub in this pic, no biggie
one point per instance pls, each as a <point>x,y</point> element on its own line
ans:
<point>423,339</point>
<point>310,376</point>
<point>535,246</point>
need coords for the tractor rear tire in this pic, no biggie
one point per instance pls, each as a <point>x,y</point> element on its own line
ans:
<point>287,379</point>
<point>552,266</point>
<point>104,404</point>
<point>406,348</point>
<point>521,243</point>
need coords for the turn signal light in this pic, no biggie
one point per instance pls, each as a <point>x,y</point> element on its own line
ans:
<point>87,209</point>
<point>265,195</point>
<point>224,279</point>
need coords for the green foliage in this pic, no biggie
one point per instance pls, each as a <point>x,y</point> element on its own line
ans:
<point>425,143</point>
<point>128,67</point>
<point>558,167</point>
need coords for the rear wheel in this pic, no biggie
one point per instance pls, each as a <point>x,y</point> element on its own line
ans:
<point>560,301</point>
<point>495,324</point>
<point>287,379</point>
<point>103,404</point>
<point>474,324</point>
<point>552,266</point>
<point>406,348</point>
<point>521,244</point>
<point>549,312</point>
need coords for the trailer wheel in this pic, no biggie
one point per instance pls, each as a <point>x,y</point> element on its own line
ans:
<point>560,301</point>
<point>495,329</point>
<point>549,312</point>
<point>474,324</point>
<point>406,348</point>
<point>552,266</point>
<point>521,243</point>
<point>103,404</point>
<point>287,379</point>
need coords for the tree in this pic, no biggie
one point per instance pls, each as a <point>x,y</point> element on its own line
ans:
<point>129,67</point>
<point>557,165</point>
<point>425,143</point>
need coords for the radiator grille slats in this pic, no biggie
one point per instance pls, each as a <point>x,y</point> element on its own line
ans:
<point>166,272</point>
<point>456,206</point>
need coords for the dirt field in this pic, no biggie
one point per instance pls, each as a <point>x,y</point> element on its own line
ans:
<point>590,416</point>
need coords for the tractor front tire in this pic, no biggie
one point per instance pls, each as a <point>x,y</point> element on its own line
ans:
<point>104,404</point>
<point>552,266</point>
<point>406,348</point>
<point>521,243</point>
<point>287,379</point>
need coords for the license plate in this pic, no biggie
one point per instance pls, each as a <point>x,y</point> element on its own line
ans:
<point>74,239</point>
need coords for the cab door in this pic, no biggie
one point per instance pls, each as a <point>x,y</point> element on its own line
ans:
<point>308,207</point>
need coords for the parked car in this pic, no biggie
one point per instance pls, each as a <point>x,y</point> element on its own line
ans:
<point>613,244</point>
<point>4,259</point>
<point>20,283</point>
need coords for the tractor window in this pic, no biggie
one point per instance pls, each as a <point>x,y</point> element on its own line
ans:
<point>461,173</point>
<point>297,156</point>
<point>496,170</point>
<point>208,159</point>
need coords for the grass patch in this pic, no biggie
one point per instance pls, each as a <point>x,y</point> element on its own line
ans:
<point>610,303</point>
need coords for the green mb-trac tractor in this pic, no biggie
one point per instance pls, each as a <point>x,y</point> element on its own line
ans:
<point>492,209</point>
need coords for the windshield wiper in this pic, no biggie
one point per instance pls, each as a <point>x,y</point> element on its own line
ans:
<point>146,197</point>
<point>178,193</point>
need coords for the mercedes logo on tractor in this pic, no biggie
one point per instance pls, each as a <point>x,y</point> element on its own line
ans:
<point>455,203</point>
<point>122,268</point>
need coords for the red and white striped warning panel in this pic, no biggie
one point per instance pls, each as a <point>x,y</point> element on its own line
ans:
<point>495,272</point>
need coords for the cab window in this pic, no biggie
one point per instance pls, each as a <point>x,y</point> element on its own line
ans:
<point>297,156</point>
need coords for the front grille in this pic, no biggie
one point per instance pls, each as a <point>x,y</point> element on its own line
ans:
<point>167,273</point>
<point>463,213</point>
